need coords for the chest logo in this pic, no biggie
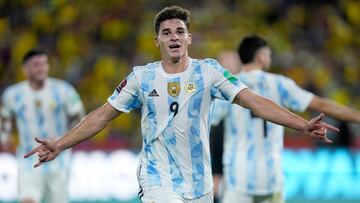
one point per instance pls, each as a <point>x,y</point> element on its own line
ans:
<point>173,88</point>
<point>190,87</point>
<point>153,93</point>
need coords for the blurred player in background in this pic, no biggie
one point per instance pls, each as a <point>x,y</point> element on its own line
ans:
<point>252,147</point>
<point>44,107</point>
<point>175,95</point>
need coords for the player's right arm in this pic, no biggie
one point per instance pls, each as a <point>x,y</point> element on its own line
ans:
<point>268,110</point>
<point>93,123</point>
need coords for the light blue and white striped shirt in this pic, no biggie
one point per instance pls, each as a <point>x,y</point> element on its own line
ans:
<point>44,113</point>
<point>175,122</point>
<point>253,147</point>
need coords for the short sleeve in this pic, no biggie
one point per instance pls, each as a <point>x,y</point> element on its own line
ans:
<point>126,95</point>
<point>219,110</point>
<point>292,96</point>
<point>6,104</point>
<point>225,85</point>
<point>73,102</point>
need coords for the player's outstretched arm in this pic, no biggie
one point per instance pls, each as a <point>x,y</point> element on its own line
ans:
<point>268,110</point>
<point>93,123</point>
<point>334,109</point>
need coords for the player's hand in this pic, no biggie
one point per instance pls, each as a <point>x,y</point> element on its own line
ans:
<point>47,151</point>
<point>317,129</point>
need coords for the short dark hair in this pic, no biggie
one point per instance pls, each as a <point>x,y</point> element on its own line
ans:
<point>34,52</point>
<point>249,46</point>
<point>171,13</point>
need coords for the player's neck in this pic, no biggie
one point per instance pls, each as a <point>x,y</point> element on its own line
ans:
<point>37,85</point>
<point>250,67</point>
<point>173,67</point>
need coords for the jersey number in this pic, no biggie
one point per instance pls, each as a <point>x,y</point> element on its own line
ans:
<point>253,116</point>
<point>174,107</point>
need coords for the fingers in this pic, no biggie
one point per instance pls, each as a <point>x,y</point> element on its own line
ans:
<point>39,163</point>
<point>43,153</point>
<point>330,127</point>
<point>326,140</point>
<point>321,137</point>
<point>43,158</point>
<point>319,118</point>
<point>41,141</point>
<point>33,151</point>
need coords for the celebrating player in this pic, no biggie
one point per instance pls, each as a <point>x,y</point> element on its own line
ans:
<point>253,146</point>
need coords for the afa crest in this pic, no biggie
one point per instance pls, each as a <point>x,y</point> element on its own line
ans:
<point>190,87</point>
<point>173,89</point>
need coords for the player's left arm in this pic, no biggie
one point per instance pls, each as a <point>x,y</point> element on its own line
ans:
<point>268,110</point>
<point>334,109</point>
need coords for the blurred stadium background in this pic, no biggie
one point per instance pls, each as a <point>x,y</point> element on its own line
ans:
<point>93,45</point>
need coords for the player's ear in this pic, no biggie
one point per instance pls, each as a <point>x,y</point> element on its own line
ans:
<point>258,56</point>
<point>156,41</point>
<point>189,38</point>
<point>261,57</point>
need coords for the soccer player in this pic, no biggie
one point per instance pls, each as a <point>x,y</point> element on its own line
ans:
<point>44,107</point>
<point>175,96</point>
<point>253,146</point>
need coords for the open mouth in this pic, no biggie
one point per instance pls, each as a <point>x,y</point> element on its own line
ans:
<point>174,46</point>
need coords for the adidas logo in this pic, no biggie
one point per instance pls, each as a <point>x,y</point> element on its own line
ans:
<point>153,93</point>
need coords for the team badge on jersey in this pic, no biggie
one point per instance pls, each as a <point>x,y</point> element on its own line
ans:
<point>173,88</point>
<point>38,103</point>
<point>190,87</point>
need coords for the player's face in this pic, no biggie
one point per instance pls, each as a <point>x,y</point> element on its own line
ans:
<point>36,68</point>
<point>265,57</point>
<point>173,39</point>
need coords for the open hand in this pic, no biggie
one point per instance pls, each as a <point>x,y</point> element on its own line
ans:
<point>317,129</point>
<point>47,151</point>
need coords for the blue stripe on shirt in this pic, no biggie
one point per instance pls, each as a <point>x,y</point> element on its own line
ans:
<point>196,146</point>
<point>170,144</point>
<point>147,86</point>
<point>231,121</point>
<point>60,125</point>
<point>20,115</point>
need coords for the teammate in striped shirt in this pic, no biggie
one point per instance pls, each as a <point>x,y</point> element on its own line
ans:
<point>43,107</point>
<point>253,146</point>
<point>175,96</point>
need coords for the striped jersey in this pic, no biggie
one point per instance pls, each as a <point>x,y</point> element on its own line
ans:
<point>175,122</point>
<point>43,113</point>
<point>253,147</point>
